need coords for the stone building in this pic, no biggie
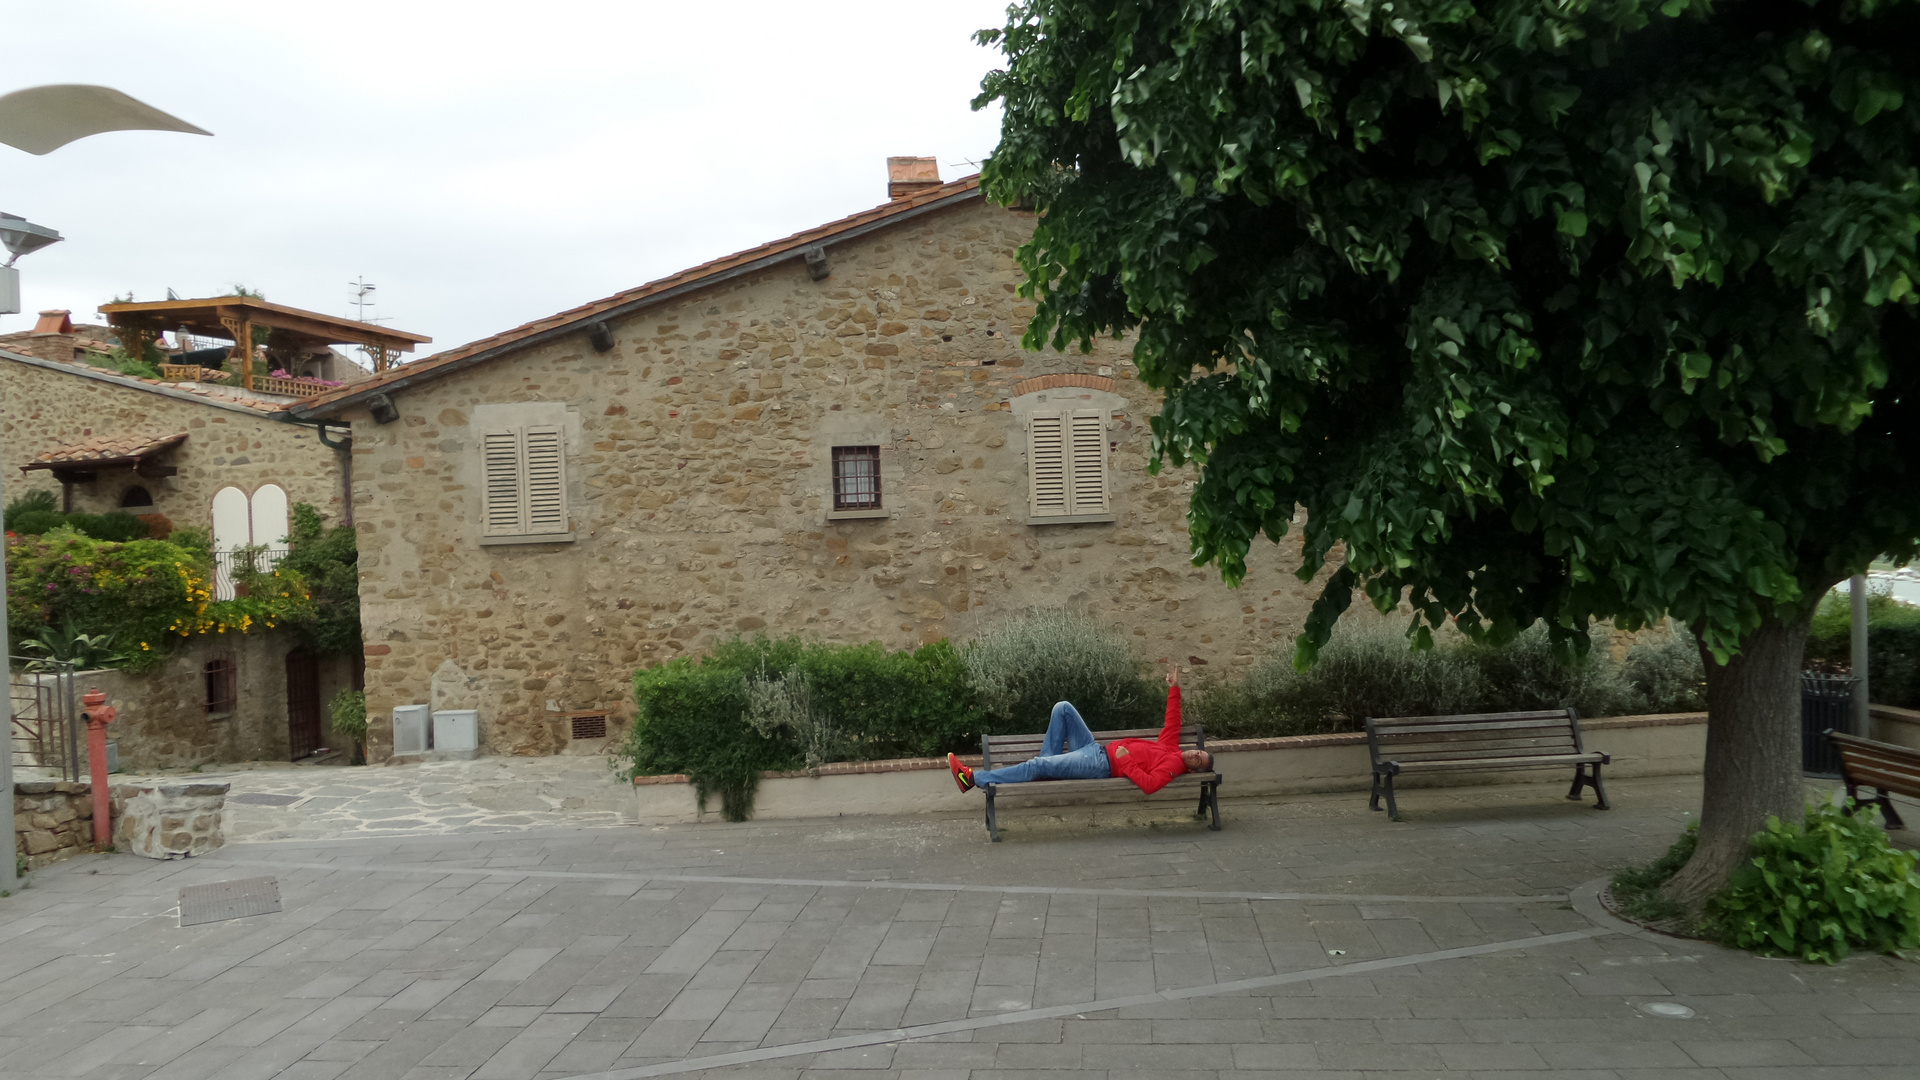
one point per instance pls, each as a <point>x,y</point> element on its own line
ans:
<point>222,462</point>
<point>835,434</point>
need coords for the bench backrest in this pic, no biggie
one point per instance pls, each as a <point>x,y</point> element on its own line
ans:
<point>1886,766</point>
<point>999,751</point>
<point>1474,735</point>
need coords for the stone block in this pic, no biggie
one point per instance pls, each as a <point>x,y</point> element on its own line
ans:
<point>168,821</point>
<point>38,841</point>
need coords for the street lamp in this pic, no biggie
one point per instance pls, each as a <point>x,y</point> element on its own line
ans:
<point>22,237</point>
<point>40,120</point>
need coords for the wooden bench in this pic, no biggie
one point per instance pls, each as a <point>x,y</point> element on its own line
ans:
<point>1417,745</point>
<point>1887,768</point>
<point>1000,751</point>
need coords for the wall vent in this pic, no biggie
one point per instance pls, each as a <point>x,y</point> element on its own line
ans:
<point>588,725</point>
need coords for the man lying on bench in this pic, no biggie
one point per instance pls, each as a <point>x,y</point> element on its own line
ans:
<point>1070,752</point>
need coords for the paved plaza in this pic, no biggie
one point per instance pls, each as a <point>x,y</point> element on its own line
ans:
<point>1309,939</point>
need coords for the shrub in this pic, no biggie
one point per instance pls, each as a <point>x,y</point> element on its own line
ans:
<point>348,712</point>
<point>693,720</point>
<point>1369,668</point>
<point>1019,667</point>
<point>1666,673</point>
<point>1893,644</point>
<point>1817,890</point>
<point>40,501</point>
<point>327,560</point>
<point>116,526</point>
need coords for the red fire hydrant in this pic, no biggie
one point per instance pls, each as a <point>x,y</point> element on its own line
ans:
<point>98,714</point>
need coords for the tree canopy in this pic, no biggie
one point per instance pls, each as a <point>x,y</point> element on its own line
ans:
<point>1564,311</point>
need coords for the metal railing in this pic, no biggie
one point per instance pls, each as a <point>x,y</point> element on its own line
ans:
<point>44,718</point>
<point>230,568</point>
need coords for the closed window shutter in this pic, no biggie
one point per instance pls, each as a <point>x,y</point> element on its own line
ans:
<point>1087,462</point>
<point>546,480</point>
<point>1047,464</point>
<point>505,485</point>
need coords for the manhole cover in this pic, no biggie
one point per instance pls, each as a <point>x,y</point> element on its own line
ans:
<point>1672,1010</point>
<point>261,798</point>
<point>225,900</point>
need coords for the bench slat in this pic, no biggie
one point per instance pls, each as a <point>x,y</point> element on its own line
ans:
<point>1069,787</point>
<point>1905,783</point>
<point>1501,763</point>
<point>1559,724</point>
<point>1560,738</point>
<point>1499,753</point>
<point>1541,714</point>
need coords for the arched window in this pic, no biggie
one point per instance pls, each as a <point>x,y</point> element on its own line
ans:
<point>240,522</point>
<point>136,498</point>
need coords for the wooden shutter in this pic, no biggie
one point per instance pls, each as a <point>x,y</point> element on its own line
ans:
<point>546,480</point>
<point>1047,464</point>
<point>526,481</point>
<point>503,514</point>
<point>1087,462</point>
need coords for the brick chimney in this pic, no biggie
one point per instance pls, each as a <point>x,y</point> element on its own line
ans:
<point>907,176</point>
<point>52,337</point>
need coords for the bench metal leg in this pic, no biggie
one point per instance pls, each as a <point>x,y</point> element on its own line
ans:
<point>1579,782</point>
<point>1599,790</point>
<point>1393,810</point>
<point>1213,801</point>
<point>992,828</point>
<point>1201,811</point>
<point>1373,796</point>
<point>1888,814</point>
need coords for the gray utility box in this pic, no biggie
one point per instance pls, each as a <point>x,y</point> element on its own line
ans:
<point>412,734</point>
<point>456,730</point>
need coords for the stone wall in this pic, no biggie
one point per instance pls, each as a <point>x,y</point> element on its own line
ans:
<point>698,486</point>
<point>52,820</point>
<point>168,821</point>
<point>226,446</point>
<point>163,720</point>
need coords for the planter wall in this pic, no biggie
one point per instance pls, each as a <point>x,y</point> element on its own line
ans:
<point>1668,745</point>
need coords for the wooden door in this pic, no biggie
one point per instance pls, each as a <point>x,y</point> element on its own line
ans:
<point>303,703</point>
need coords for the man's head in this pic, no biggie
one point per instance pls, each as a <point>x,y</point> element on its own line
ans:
<point>1197,760</point>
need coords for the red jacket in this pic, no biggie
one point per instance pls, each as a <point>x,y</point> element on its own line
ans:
<point>1151,765</point>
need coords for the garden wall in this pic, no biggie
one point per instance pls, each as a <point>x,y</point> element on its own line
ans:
<point>52,820</point>
<point>1667,745</point>
<point>1898,726</point>
<point>164,721</point>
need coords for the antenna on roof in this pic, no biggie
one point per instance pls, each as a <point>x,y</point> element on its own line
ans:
<point>363,298</point>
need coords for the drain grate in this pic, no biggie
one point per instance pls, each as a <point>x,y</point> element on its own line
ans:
<point>261,798</point>
<point>225,900</point>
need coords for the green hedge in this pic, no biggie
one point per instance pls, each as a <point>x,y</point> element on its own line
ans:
<point>1893,645</point>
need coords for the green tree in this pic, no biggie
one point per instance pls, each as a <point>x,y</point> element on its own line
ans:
<point>1541,311</point>
<point>328,560</point>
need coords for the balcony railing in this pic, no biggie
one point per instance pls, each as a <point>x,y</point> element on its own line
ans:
<point>229,567</point>
<point>267,384</point>
<point>193,373</point>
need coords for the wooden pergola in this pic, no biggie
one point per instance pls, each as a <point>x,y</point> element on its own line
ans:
<point>235,317</point>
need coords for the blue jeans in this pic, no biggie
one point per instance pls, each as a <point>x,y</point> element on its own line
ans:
<point>1069,753</point>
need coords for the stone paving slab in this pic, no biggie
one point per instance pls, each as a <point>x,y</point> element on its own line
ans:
<point>1310,939</point>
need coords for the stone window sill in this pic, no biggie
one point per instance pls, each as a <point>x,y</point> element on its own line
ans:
<point>858,515</point>
<point>1070,519</point>
<point>528,538</point>
<point>219,716</point>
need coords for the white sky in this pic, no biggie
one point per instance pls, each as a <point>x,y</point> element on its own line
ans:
<point>484,163</point>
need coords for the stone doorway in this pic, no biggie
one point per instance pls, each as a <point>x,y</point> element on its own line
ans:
<point>303,703</point>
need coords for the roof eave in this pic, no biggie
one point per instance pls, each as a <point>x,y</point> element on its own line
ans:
<point>323,408</point>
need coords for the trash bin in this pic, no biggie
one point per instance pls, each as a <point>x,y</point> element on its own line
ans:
<point>1826,701</point>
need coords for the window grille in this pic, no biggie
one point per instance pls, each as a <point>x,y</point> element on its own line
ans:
<point>223,686</point>
<point>856,478</point>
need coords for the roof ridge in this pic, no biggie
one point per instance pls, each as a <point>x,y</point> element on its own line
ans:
<point>791,244</point>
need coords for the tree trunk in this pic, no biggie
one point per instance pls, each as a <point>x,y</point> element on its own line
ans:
<point>1752,766</point>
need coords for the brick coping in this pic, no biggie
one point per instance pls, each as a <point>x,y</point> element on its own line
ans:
<point>1223,746</point>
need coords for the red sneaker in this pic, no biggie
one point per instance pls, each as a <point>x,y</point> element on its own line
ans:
<point>962,775</point>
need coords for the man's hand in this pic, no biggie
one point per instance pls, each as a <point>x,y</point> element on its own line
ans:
<point>1173,675</point>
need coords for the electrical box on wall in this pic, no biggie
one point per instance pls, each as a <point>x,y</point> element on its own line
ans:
<point>456,730</point>
<point>411,732</point>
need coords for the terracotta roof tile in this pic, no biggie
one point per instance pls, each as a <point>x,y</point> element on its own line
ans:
<point>790,245</point>
<point>101,449</point>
